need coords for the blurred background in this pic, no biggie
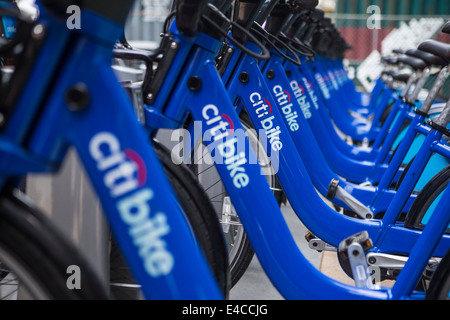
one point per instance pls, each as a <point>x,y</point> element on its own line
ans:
<point>371,31</point>
<point>400,24</point>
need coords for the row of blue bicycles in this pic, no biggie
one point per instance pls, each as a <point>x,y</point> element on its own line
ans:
<point>266,114</point>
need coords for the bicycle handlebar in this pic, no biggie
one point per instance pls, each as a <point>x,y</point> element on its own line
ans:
<point>188,15</point>
<point>266,10</point>
<point>301,5</point>
<point>245,13</point>
<point>278,18</point>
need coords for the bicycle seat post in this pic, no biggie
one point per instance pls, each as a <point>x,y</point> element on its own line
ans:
<point>443,120</point>
<point>412,96</point>
<point>437,86</point>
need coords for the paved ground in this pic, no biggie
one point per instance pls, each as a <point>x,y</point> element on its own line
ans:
<point>255,285</point>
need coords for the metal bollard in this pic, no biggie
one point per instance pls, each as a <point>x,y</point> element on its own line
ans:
<point>70,201</point>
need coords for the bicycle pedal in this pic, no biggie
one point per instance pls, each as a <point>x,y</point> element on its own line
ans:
<point>351,255</point>
<point>318,244</point>
<point>309,236</point>
<point>332,189</point>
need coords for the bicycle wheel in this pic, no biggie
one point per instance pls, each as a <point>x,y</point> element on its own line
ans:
<point>35,257</point>
<point>426,201</point>
<point>240,251</point>
<point>439,288</point>
<point>203,221</point>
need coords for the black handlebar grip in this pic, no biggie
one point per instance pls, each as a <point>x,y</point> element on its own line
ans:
<point>266,10</point>
<point>317,14</point>
<point>278,18</point>
<point>302,9</point>
<point>295,25</point>
<point>245,12</point>
<point>300,5</point>
<point>311,25</point>
<point>188,15</point>
<point>327,24</point>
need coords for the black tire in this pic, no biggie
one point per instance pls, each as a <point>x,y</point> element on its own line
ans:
<point>240,250</point>
<point>204,223</point>
<point>38,256</point>
<point>425,199</point>
<point>439,288</point>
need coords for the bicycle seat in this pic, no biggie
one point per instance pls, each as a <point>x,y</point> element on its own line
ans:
<point>440,49</point>
<point>388,73</point>
<point>428,58</point>
<point>327,24</point>
<point>414,63</point>
<point>317,14</point>
<point>401,76</point>
<point>392,60</point>
<point>398,51</point>
<point>446,28</point>
<point>116,10</point>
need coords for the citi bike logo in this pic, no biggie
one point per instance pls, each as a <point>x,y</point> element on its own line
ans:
<point>309,87</point>
<point>299,93</point>
<point>234,158</point>
<point>263,109</point>
<point>284,100</point>
<point>323,86</point>
<point>124,174</point>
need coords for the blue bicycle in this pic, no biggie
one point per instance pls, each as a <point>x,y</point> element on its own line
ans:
<point>69,85</point>
<point>62,84</point>
<point>191,80</point>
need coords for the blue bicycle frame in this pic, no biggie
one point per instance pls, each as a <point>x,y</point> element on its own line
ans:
<point>212,105</point>
<point>135,193</point>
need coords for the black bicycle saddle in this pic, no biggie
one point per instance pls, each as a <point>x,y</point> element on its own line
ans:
<point>446,28</point>
<point>428,58</point>
<point>440,49</point>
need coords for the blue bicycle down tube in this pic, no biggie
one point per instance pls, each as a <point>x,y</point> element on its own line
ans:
<point>137,198</point>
